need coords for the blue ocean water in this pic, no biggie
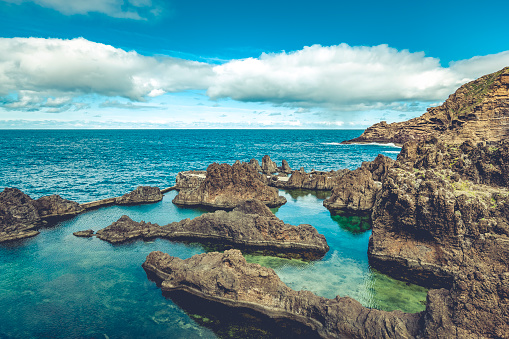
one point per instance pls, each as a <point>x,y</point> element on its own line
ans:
<point>60,286</point>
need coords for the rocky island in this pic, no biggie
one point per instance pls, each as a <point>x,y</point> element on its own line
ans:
<point>251,226</point>
<point>478,111</point>
<point>226,186</point>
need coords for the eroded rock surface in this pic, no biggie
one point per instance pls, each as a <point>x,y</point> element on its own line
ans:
<point>478,111</point>
<point>226,186</point>
<point>189,179</point>
<point>21,215</point>
<point>355,192</point>
<point>229,279</point>
<point>251,226</point>
<point>141,195</point>
<point>268,166</point>
<point>314,180</point>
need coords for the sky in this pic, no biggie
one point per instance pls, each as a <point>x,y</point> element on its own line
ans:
<point>239,64</point>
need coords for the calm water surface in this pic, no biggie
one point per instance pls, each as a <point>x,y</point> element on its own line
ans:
<point>60,286</point>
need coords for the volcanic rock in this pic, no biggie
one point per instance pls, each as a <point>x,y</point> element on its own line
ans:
<point>478,111</point>
<point>227,278</point>
<point>189,179</point>
<point>268,166</point>
<point>54,206</point>
<point>84,234</point>
<point>226,186</point>
<point>251,226</point>
<point>20,215</point>
<point>285,168</point>
<point>141,195</point>
<point>314,180</point>
<point>354,194</point>
<point>256,165</point>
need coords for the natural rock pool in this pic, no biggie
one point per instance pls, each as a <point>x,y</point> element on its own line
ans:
<point>58,285</point>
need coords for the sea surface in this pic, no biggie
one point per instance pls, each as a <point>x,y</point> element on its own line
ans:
<point>56,285</point>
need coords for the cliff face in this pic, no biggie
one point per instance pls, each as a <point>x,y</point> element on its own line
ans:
<point>477,111</point>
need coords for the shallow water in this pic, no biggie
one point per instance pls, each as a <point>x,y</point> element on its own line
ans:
<point>60,286</point>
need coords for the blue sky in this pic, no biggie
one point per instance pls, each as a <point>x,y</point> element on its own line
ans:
<point>239,64</point>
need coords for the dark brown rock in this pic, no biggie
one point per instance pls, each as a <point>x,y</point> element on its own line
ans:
<point>20,215</point>
<point>314,180</point>
<point>54,206</point>
<point>285,168</point>
<point>189,179</point>
<point>84,234</point>
<point>226,186</point>
<point>251,226</point>
<point>141,195</point>
<point>355,193</point>
<point>478,111</point>
<point>227,278</point>
<point>268,166</point>
<point>255,164</point>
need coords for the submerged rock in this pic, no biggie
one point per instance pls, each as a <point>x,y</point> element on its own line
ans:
<point>84,234</point>
<point>251,226</point>
<point>226,186</point>
<point>141,195</point>
<point>227,278</point>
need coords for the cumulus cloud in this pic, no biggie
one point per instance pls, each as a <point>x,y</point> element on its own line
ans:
<point>344,77</point>
<point>34,69</point>
<point>124,9</point>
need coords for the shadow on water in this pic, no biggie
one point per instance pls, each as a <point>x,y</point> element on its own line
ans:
<point>298,193</point>
<point>234,322</point>
<point>355,224</point>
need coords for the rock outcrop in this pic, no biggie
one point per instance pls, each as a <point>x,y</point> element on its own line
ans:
<point>255,164</point>
<point>355,192</point>
<point>285,167</point>
<point>226,186</point>
<point>314,180</point>
<point>227,278</point>
<point>141,195</point>
<point>439,205</point>
<point>250,226</point>
<point>268,166</point>
<point>189,179</point>
<point>20,215</point>
<point>478,111</point>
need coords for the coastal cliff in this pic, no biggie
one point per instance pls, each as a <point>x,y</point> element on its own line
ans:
<point>478,111</point>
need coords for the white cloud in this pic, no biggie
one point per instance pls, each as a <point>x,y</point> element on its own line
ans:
<point>124,9</point>
<point>346,78</point>
<point>36,69</point>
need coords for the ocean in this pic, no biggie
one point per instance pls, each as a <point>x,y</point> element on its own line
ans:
<point>56,285</point>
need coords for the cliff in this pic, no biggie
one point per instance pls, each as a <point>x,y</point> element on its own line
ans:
<point>477,111</point>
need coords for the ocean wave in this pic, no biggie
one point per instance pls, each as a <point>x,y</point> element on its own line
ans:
<point>389,144</point>
<point>392,152</point>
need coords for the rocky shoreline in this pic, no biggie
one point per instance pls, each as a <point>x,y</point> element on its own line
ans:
<point>251,226</point>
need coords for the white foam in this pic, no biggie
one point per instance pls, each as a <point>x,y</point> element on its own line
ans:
<point>392,152</point>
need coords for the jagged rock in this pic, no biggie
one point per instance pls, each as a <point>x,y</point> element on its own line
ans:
<point>354,194</point>
<point>478,111</point>
<point>378,167</point>
<point>313,180</point>
<point>268,166</point>
<point>54,206</point>
<point>227,278</point>
<point>20,215</point>
<point>256,165</point>
<point>226,186</point>
<point>189,179</point>
<point>285,168</point>
<point>251,226</point>
<point>141,195</point>
<point>84,234</point>
<point>439,203</point>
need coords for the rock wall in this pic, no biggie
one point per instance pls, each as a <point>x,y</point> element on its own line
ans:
<point>141,195</point>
